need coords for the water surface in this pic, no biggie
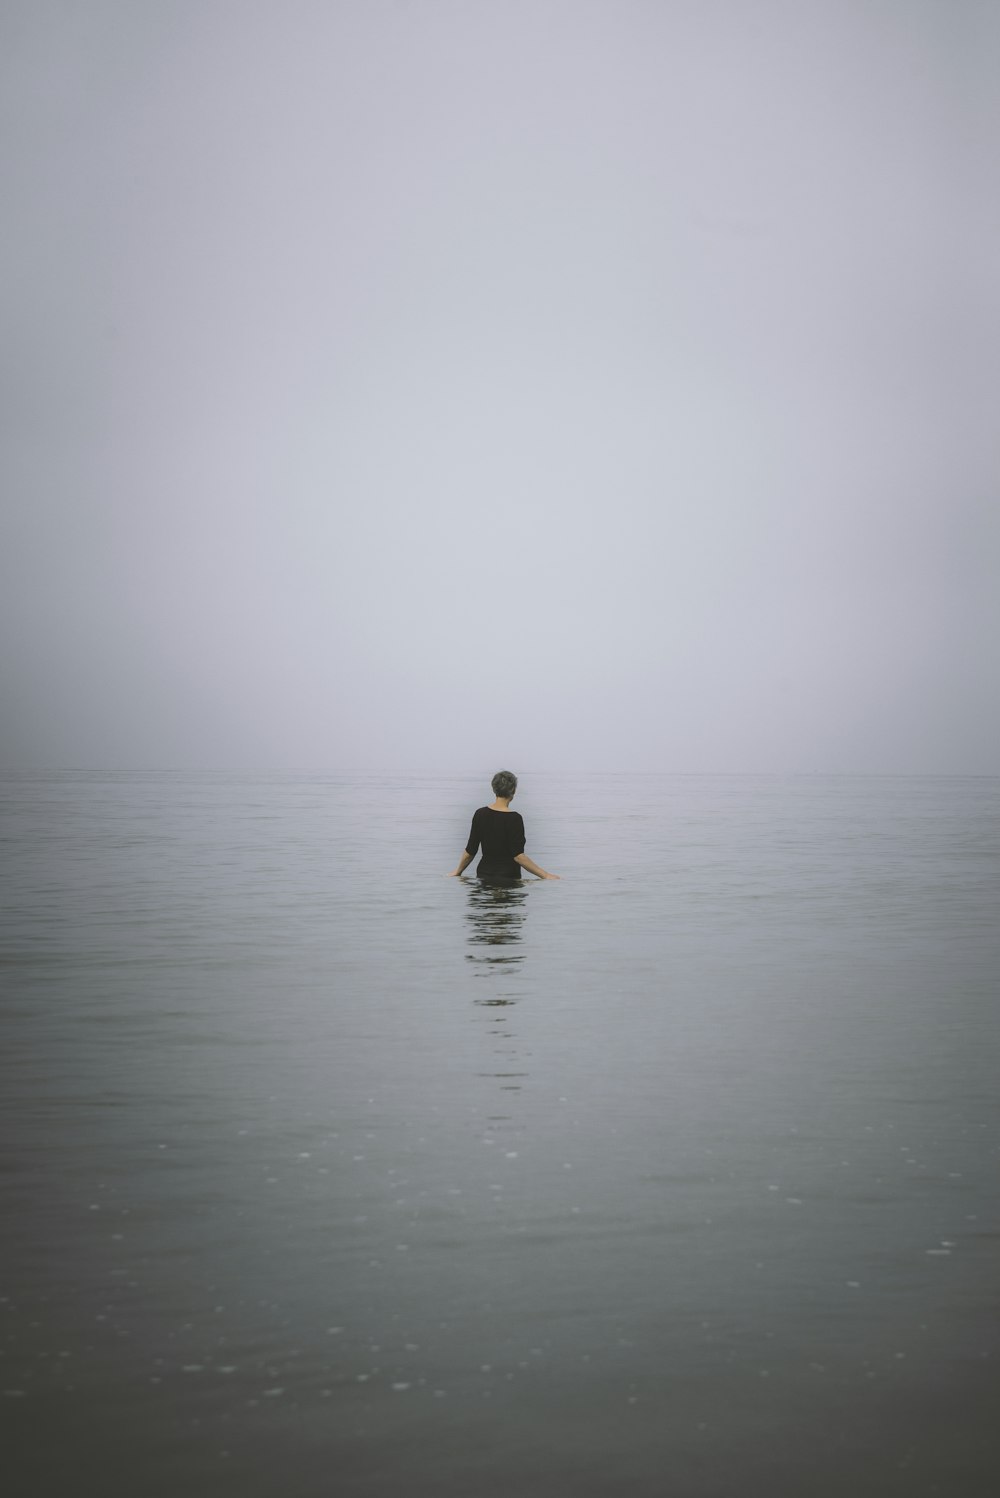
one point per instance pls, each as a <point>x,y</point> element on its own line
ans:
<point>327,1174</point>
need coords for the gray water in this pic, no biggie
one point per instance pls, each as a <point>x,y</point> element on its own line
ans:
<point>327,1174</point>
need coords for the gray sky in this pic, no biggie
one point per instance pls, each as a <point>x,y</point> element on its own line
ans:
<point>448,385</point>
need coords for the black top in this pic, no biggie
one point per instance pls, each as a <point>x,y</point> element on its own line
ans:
<point>502,836</point>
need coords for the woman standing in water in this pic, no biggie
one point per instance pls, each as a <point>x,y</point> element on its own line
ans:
<point>501,833</point>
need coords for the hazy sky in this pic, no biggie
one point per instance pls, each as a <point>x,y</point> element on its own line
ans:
<point>455,383</point>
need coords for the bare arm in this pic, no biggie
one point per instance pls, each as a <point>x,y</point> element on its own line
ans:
<point>463,864</point>
<point>532,867</point>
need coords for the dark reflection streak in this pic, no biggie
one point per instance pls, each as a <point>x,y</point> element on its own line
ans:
<point>496,914</point>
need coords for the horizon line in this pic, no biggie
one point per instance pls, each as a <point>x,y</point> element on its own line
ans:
<point>471,774</point>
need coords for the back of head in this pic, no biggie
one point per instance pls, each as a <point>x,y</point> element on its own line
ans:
<point>504,784</point>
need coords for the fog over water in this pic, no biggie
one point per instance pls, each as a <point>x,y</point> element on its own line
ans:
<point>448,385</point>
<point>392,392</point>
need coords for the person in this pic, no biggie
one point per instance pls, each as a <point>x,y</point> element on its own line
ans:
<point>500,831</point>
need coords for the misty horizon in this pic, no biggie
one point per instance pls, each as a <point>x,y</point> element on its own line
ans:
<point>594,387</point>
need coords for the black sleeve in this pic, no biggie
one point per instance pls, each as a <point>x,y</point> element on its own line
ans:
<point>517,841</point>
<point>472,846</point>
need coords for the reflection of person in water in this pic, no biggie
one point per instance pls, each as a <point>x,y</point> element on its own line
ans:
<point>496,915</point>
<point>500,831</point>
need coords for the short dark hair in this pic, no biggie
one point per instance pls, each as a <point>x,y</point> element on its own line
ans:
<point>504,784</point>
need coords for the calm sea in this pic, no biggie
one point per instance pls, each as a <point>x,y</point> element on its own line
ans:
<point>328,1175</point>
